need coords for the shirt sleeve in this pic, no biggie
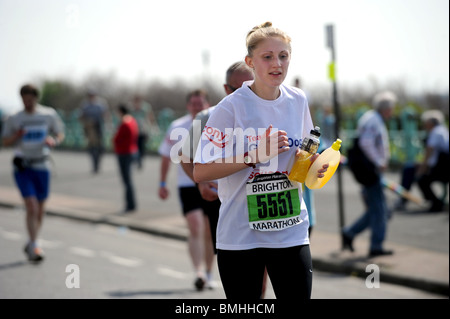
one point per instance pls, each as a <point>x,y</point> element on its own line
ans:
<point>216,141</point>
<point>166,144</point>
<point>191,143</point>
<point>188,146</point>
<point>436,142</point>
<point>434,139</point>
<point>57,125</point>
<point>374,142</point>
<point>8,127</point>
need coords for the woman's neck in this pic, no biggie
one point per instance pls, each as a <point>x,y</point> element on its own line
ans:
<point>265,92</point>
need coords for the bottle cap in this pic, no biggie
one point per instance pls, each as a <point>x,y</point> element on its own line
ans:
<point>336,145</point>
<point>315,131</point>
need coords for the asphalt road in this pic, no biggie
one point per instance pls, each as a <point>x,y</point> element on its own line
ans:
<point>413,227</point>
<point>97,261</point>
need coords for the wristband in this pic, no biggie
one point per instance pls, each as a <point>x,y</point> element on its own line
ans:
<point>248,160</point>
<point>162,184</point>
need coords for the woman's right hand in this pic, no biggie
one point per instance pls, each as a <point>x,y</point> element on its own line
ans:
<point>272,144</point>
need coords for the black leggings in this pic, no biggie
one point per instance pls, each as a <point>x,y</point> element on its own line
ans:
<point>289,270</point>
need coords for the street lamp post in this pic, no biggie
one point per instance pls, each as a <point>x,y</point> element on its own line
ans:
<point>332,76</point>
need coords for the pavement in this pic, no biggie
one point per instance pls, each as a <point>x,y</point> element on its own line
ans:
<point>76,193</point>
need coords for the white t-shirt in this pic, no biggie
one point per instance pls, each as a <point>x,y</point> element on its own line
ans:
<point>173,141</point>
<point>438,140</point>
<point>374,138</point>
<point>44,121</point>
<point>243,111</point>
<point>195,130</point>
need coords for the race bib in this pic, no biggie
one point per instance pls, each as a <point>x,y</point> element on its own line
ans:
<point>34,135</point>
<point>273,202</point>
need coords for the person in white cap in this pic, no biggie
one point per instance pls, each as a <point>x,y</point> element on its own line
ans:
<point>373,140</point>
<point>434,166</point>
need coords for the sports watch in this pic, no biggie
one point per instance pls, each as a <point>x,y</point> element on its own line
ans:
<point>248,160</point>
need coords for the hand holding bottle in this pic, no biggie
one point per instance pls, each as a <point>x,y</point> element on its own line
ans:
<point>322,170</point>
<point>303,157</point>
<point>331,157</point>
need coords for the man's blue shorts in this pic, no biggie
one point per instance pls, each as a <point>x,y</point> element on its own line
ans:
<point>32,182</point>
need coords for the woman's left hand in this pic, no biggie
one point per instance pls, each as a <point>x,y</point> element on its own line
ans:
<point>321,172</point>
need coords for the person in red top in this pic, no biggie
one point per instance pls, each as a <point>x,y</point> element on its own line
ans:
<point>125,147</point>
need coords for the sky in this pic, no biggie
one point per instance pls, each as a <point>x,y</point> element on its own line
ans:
<point>137,41</point>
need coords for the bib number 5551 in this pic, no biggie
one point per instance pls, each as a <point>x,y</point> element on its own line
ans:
<point>274,204</point>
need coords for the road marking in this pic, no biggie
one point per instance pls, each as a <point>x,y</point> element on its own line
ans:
<point>171,273</point>
<point>50,243</point>
<point>80,251</point>
<point>129,262</point>
<point>11,235</point>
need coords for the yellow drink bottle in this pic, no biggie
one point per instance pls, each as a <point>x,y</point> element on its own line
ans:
<point>332,157</point>
<point>302,162</point>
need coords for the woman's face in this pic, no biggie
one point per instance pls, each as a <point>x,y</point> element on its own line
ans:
<point>270,61</point>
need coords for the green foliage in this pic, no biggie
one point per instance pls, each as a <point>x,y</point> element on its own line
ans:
<point>168,101</point>
<point>61,95</point>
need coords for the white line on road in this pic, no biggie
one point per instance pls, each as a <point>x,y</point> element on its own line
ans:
<point>10,235</point>
<point>80,251</point>
<point>129,262</point>
<point>171,273</point>
<point>50,243</point>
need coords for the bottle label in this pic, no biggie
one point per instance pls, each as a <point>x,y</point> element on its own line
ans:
<point>310,146</point>
<point>273,203</point>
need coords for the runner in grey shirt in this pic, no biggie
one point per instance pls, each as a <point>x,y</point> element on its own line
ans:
<point>33,132</point>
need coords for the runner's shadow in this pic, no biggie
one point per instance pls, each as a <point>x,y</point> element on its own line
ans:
<point>13,264</point>
<point>128,294</point>
<point>418,212</point>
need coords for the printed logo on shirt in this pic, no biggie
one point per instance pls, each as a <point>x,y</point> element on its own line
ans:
<point>253,140</point>
<point>230,144</point>
<point>34,135</point>
<point>294,142</point>
<point>215,136</point>
<point>249,137</point>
